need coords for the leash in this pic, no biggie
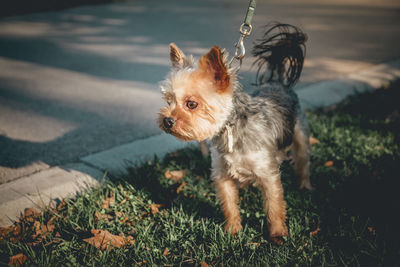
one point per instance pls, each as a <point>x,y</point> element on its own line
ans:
<point>245,30</point>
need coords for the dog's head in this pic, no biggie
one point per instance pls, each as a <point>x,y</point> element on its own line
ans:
<point>199,96</point>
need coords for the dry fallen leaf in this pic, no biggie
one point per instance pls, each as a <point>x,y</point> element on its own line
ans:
<point>31,212</point>
<point>372,230</point>
<point>130,240</point>
<point>108,201</point>
<point>124,220</point>
<point>41,232</point>
<point>179,189</point>
<point>52,219</point>
<point>17,233</point>
<point>175,175</point>
<point>204,264</point>
<point>18,259</point>
<point>329,163</point>
<point>166,250</point>
<point>29,215</point>
<point>98,216</point>
<point>103,239</point>
<point>4,231</point>
<point>155,208</point>
<point>61,205</point>
<point>316,231</point>
<point>313,141</point>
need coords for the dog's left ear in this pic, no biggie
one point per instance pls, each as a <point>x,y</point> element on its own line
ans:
<point>177,56</point>
<point>213,64</point>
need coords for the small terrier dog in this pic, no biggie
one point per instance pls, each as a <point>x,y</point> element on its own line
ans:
<point>250,135</point>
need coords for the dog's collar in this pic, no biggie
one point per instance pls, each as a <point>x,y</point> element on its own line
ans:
<point>226,129</point>
<point>230,138</point>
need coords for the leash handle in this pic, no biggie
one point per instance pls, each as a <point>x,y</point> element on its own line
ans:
<point>250,12</point>
<point>245,30</point>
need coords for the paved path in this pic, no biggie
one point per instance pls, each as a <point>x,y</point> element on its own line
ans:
<point>81,81</point>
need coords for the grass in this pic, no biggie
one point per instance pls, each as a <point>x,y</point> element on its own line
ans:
<point>349,220</point>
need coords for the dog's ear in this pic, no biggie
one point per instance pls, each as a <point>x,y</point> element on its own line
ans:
<point>177,56</point>
<point>213,64</point>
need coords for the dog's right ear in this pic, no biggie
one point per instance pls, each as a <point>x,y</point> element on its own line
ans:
<point>177,56</point>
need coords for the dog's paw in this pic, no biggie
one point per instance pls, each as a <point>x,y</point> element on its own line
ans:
<point>278,231</point>
<point>305,184</point>
<point>233,228</point>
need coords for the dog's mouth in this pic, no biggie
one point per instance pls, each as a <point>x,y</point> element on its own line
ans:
<point>172,131</point>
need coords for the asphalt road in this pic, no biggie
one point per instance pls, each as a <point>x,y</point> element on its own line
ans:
<point>78,81</point>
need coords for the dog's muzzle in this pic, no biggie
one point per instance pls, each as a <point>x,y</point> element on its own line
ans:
<point>168,122</point>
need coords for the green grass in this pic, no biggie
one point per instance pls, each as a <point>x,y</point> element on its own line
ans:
<point>349,220</point>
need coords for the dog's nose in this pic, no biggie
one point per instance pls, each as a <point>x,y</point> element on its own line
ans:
<point>168,122</point>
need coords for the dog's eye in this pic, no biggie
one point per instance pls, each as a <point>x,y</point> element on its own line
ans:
<point>191,104</point>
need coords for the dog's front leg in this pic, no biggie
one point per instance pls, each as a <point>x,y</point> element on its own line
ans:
<point>274,204</point>
<point>228,194</point>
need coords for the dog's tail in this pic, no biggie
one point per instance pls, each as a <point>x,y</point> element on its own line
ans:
<point>280,54</point>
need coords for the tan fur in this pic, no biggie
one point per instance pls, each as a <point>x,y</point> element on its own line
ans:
<point>301,154</point>
<point>228,194</point>
<point>275,206</point>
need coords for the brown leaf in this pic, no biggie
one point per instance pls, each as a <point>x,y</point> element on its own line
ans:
<point>175,175</point>
<point>204,264</point>
<point>52,220</point>
<point>155,208</point>
<point>130,240</point>
<point>48,228</point>
<point>5,231</point>
<point>17,232</point>
<point>103,239</point>
<point>18,259</point>
<point>316,231</point>
<point>98,216</point>
<point>42,230</point>
<point>30,214</point>
<point>36,226</point>
<point>313,141</point>
<point>179,189</point>
<point>372,230</point>
<point>166,250</point>
<point>61,205</point>
<point>108,201</point>
<point>329,163</point>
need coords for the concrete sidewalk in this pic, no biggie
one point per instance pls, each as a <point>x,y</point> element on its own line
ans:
<point>79,94</point>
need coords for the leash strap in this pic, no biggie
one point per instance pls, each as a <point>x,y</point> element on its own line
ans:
<point>245,30</point>
<point>250,12</point>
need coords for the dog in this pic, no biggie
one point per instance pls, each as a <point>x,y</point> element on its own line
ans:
<point>250,135</point>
